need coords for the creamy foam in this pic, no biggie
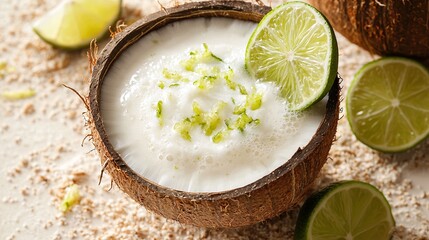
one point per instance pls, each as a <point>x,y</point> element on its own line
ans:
<point>157,152</point>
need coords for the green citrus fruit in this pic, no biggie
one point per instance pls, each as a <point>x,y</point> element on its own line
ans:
<point>295,47</point>
<point>346,210</point>
<point>74,23</point>
<point>387,104</point>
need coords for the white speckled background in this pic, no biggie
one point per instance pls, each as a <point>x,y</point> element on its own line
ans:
<point>41,153</point>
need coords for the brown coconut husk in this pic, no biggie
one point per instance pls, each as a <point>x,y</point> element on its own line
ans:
<point>255,202</point>
<point>382,27</point>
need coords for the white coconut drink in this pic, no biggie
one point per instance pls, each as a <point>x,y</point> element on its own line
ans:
<point>184,129</point>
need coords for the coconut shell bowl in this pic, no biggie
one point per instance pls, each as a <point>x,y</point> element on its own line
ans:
<point>260,200</point>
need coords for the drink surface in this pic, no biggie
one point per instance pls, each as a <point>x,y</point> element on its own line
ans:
<point>142,106</point>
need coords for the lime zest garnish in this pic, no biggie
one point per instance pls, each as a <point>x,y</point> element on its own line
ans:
<point>207,55</point>
<point>220,136</point>
<point>159,109</point>
<point>208,121</point>
<point>161,84</point>
<point>256,121</point>
<point>208,76</point>
<point>239,109</point>
<point>71,198</point>
<point>228,76</point>
<point>243,90</point>
<point>159,112</point>
<point>216,57</point>
<point>196,108</point>
<point>18,95</point>
<point>228,123</point>
<point>173,75</point>
<point>240,124</point>
<point>183,128</point>
<point>254,100</point>
<point>242,121</point>
<point>197,57</point>
<point>212,119</point>
<point>211,71</point>
<point>205,82</point>
<point>190,63</point>
<point>198,117</point>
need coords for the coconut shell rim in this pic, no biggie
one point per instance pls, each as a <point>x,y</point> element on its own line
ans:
<point>229,9</point>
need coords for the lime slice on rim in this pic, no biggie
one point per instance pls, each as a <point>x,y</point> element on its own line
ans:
<point>346,210</point>
<point>295,47</point>
<point>74,23</point>
<point>387,104</point>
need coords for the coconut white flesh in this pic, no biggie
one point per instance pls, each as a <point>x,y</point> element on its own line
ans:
<point>160,154</point>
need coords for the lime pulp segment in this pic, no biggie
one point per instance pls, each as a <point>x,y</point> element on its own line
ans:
<point>387,104</point>
<point>295,47</point>
<point>74,23</point>
<point>346,210</point>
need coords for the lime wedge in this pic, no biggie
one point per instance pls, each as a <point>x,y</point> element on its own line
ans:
<point>295,47</point>
<point>387,104</point>
<point>346,210</point>
<point>74,23</point>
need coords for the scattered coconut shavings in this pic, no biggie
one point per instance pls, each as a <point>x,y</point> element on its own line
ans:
<point>28,109</point>
<point>18,95</point>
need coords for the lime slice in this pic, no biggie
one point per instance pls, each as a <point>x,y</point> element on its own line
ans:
<point>346,210</point>
<point>387,104</point>
<point>74,23</point>
<point>295,47</point>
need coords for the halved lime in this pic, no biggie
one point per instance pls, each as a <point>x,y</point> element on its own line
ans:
<point>74,23</point>
<point>295,47</point>
<point>346,210</point>
<point>388,104</point>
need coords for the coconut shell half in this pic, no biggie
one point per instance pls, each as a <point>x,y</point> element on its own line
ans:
<point>381,27</point>
<point>258,201</point>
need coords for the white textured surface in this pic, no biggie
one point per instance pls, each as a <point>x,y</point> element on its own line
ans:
<point>40,152</point>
